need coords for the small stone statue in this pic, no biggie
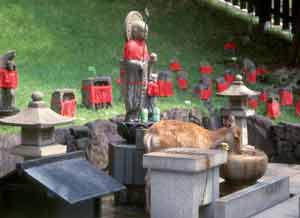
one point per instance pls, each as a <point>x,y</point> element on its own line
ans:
<point>8,83</point>
<point>152,92</point>
<point>136,65</point>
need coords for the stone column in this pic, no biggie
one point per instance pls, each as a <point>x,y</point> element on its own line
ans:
<point>182,180</point>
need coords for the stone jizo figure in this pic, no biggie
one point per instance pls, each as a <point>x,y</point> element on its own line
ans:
<point>136,64</point>
<point>8,83</point>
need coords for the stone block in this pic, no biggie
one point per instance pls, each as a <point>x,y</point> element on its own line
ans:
<point>254,199</point>
<point>183,179</point>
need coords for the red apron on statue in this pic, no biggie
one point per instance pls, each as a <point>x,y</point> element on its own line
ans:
<point>153,89</point>
<point>251,77</point>
<point>221,84</point>
<point>182,83</point>
<point>136,50</point>
<point>273,109</point>
<point>229,77</point>
<point>263,97</point>
<point>286,97</point>
<point>8,79</point>
<point>298,108</point>
<point>252,103</point>
<point>205,69</point>
<point>175,66</point>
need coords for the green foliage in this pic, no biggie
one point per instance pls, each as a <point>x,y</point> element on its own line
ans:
<point>57,41</point>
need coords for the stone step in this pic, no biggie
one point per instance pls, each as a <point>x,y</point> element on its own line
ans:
<point>286,209</point>
<point>254,199</point>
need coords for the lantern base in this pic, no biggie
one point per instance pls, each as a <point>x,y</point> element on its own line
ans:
<point>4,112</point>
<point>29,152</point>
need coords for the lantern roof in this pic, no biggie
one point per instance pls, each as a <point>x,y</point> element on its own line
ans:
<point>238,89</point>
<point>36,115</point>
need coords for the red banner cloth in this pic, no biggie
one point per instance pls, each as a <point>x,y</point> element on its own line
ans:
<point>8,79</point>
<point>99,94</point>
<point>175,66</point>
<point>68,108</point>
<point>273,109</point>
<point>205,94</point>
<point>182,83</point>
<point>263,97</point>
<point>286,97</point>
<point>222,86</point>
<point>251,77</point>
<point>153,89</point>
<point>252,103</point>
<point>229,78</point>
<point>205,69</point>
<point>298,108</point>
<point>136,50</point>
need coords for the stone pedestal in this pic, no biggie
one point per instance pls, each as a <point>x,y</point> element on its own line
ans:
<point>182,180</point>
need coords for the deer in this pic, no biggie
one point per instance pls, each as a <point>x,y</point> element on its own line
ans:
<point>174,133</point>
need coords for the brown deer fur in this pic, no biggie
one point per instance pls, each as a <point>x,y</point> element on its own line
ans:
<point>175,133</point>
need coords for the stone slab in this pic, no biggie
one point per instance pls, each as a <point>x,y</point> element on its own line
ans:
<point>286,209</point>
<point>187,160</point>
<point>254,199</point>
<point>290,170</point>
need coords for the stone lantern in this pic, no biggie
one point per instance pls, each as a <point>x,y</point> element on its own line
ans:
<point>238,95</point>
<point>37,124</point>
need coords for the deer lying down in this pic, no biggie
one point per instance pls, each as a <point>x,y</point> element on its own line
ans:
<point>174,133</point>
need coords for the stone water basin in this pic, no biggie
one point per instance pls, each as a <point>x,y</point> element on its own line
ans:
<point>245,168</point>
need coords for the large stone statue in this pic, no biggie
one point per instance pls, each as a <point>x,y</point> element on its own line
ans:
<point>136,65</point>
<point>8,83</point>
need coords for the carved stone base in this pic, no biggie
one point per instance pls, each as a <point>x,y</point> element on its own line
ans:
<point>4,112</point>
<point>28,152</point>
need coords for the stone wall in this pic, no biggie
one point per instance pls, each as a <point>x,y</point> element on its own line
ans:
<point>280,142</point>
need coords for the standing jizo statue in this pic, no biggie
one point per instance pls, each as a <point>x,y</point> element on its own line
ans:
<point>136,65</point>
<point>8,83</point>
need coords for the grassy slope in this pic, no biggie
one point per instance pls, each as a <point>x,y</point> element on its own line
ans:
<point>56,40</point>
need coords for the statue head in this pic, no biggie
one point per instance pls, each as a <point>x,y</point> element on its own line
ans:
<point>153,77</point>
<point>139,30</point>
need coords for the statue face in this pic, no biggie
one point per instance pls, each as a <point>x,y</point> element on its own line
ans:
<point>140,30</point>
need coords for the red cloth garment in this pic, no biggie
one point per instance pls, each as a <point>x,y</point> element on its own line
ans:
<point>261,71</point>
<point>251,77</point>
<point>175,66</point>
<point>263,97</point>
<point>182,83</point>
<point>286,97</point>
<point>252,103</point>
<point>99,94</point>
<point>205,69</point>
<point>68,108</point>
<point>153,89</point>
<point>165,88</point>
<point>273,109</point>
<point>230,45</point>
<point>298,108</point>
<point>8,79</point>
<point>229,77</point>
<point>222,86</point>
<point>205,94</point>
<point>136,50</point>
